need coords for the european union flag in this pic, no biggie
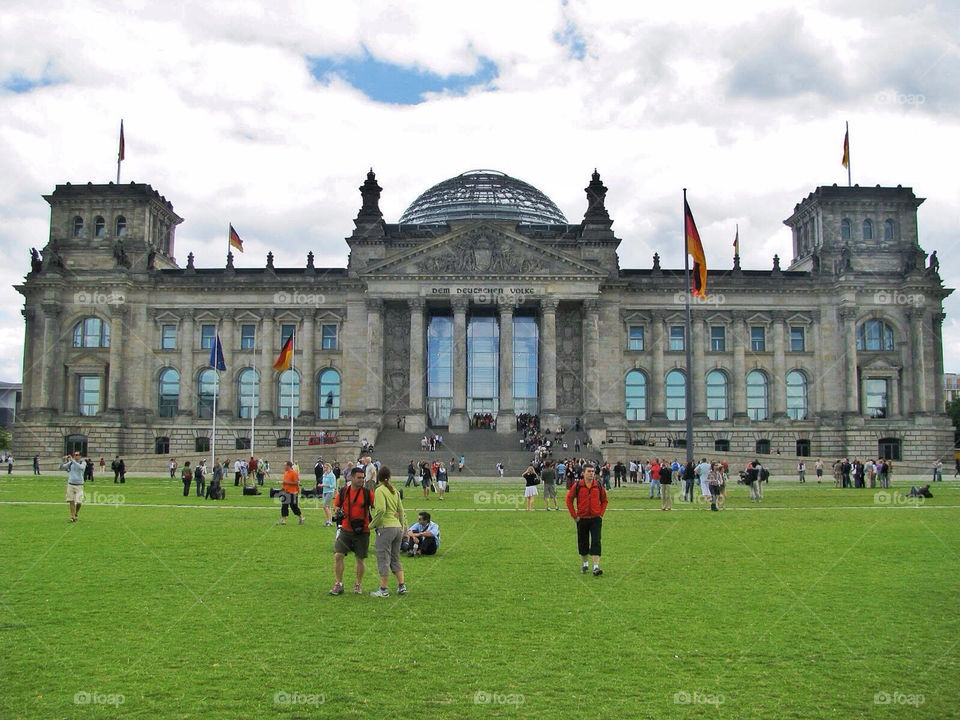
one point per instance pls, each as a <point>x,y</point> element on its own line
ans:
<point>216,355</point>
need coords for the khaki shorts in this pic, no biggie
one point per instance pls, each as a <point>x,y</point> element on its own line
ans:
<point>74,493</point>
<point>348,542</point>
<point>549,490</point>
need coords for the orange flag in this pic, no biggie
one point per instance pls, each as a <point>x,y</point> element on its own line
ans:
<point>698,285</point>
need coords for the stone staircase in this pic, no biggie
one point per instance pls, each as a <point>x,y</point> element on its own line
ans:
<point>482,450</point>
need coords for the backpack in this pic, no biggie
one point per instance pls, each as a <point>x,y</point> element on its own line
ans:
<point>188,475</point>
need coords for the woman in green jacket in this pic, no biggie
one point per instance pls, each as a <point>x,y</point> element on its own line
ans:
<point>389,521</point>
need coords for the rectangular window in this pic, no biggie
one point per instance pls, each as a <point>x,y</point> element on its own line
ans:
<point>201,444</point>
<point>875,390</point>
<point>718,338</point>
<point>328,337</point>
<point>285,332</point>
<point>758,338</point>
<point>242,443</point>
<point>168,337</point>
<point>89,395</point>
<point>636,337</point>
<point>797,339</point>
<point>248,337</point>
<point>208,334</point>
<point>676,337</point>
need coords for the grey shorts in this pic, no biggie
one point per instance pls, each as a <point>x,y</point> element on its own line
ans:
<point>549,490</point>
<point>327,499</point>
<point>348,542</point>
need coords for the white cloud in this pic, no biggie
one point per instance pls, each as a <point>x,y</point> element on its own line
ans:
<point>223,117</point>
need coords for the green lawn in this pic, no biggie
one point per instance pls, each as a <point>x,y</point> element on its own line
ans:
<point>816,604</point>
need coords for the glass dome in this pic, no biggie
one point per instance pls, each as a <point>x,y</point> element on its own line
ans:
<point>483,194</point>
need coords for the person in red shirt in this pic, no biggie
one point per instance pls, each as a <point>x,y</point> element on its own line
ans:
<point>587,502</point>
<point>291,489</point>
<point>353,531</point>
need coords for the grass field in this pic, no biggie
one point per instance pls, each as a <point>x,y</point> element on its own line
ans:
<point>820,603</point>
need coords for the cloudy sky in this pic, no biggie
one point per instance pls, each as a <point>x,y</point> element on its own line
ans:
<point>269,114</point>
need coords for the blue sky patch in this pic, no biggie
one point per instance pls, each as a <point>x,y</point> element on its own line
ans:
<point>573,39</point>
<point>17,82</point>
<point>390,83</point>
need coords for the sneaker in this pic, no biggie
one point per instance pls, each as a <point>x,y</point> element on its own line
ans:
<point>597,571</point>
<point>302,519</point>
<point>282,522</point>
<point>584,569</point>
<point>337,589</point>
<point>382,592</point>
<point>328,524</point>
<point>357,590</point>
<point>402,590</point>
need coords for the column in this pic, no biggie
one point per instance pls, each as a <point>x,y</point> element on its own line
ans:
<point>848,319</point>
<point>741,341</point>
<point>938,390</point>
<point>188,405</point>
<point>656,397</point>
<point>418,367</point>
<point>506,420</point>
<point>916,361</point>
<point>591,356</point>
<point>459,422</point>
<point>374,355</point>
<point>114,380</point>
<point>698,382</point>
<point>307,341</point>
<point>51,360</point>
<point>31,335</point>
<point>778,385</point>
<point>268,385</point>
<point>548,361</point>
<point>226,396</point>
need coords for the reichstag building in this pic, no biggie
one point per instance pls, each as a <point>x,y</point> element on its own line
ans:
<point>484,300</point>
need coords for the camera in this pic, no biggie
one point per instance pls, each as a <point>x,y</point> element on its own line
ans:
<point>338,515</point>
<point>356,524</point>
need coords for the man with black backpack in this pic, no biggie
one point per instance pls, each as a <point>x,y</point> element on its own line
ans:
<point>352,514</point>
<point>587,502</point>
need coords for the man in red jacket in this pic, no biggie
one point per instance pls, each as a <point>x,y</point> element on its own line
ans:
<point>587,501</point>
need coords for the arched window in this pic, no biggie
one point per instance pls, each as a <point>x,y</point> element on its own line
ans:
<point>888,229</point>
<point>99,226</point>
<point>206,386</point>
<point>875,335</point>
<point>91,332</point>
<point>757,405</point>
<point>844,229</point>
<point>78,226</point>
<point>796,395</point>
<point>868,230</point>
<point>328,395</point>
<point>636,395</point>
<point>169,400</point>
<point>248,393</point>
<point>716,395</point>
<point>121,226</point>
<point>676,394</point>
<point>288,397</point>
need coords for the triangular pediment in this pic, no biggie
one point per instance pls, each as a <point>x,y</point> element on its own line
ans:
<point>483,251</point>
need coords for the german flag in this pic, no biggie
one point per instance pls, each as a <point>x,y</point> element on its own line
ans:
<point>694,248</point>
<point>846,149</point>
<point>285,358</point>
<point>235,240</point>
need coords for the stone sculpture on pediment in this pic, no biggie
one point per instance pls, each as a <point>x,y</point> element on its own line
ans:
<point>483,255</point>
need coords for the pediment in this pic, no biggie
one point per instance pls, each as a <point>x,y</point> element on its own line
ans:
<point>482,250</point>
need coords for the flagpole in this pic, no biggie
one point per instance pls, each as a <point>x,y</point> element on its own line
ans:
<point>293,358</point>
<point>213,432</point>
<point>688,340</point>
<point>849,181</point>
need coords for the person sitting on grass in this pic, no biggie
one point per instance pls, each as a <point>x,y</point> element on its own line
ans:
<point>922,491</point>
<point>423,537</point>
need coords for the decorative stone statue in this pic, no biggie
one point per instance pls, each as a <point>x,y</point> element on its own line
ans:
<point>310,260</point>
<point>190,261</point>
<point>152,259</point>
<point>934,262</point>
<point>119,254</point>
<point>52,257</point>
<point>36,264</point>
<point>656,261</point>
<point>229,260</point>
<point>270,260</point>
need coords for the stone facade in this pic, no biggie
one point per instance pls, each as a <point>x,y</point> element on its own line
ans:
<point>846,340</point>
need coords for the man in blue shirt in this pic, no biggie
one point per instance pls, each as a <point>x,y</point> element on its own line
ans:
<point>423,537</point>
<point>74,467</point>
